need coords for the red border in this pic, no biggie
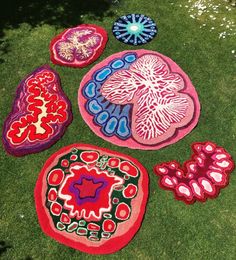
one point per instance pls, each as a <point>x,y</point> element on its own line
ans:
<point>184,169</point>
<point>98,52</point>
<point>112,245</point>
<point>130,142</point>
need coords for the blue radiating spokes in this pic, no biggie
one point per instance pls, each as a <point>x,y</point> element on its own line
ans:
<point>134,29</point>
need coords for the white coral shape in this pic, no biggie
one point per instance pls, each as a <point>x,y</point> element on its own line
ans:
<point>159,106</point>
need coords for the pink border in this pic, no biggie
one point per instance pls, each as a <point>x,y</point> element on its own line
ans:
<point>131,143</point>
<point>97,52</point>
<point>117,241</point>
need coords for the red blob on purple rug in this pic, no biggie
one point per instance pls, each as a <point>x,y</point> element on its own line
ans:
<point>40,114</point>
<point>139,99</point>
<point>78,46</point>
<point>91,199</point>
<point>201,177</point>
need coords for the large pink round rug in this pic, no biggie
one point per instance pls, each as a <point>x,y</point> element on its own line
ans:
<point>139,99</point>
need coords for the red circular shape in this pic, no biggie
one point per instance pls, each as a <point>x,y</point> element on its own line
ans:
<point>65,218</point>
<point>109,225</point>
<point>64,163</point>
<point>126,177</point>
<point>55,177</point>
<point>73,157</point>
<point>56,208</point>
<point>122,211</point>
<point>129,169</point>
<point>130,191</point>
<point>124,232</point>
<point>52,195</point>
<point>113,162</point>
<point>89,157</point>
<point>115,200</point>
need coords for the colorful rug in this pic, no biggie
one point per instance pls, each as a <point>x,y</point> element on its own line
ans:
<point>134,29</point>
<point>39,116</point>
<point>91,199</point>
<point>139,99</point>
<point>201,177</point>
<point>78,46</point>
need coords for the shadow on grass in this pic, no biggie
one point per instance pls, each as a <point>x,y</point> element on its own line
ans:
<point>3,247</point>
<point>66,13</point>
<point>53,12</point>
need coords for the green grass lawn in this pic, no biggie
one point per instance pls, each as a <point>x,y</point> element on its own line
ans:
<point>170,230</point>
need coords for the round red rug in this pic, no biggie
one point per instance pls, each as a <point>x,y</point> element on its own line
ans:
<point>90,198</point>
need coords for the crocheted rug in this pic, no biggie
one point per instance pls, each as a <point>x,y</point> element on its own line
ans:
<point>39,116</point>
<point>90,198</point>
<point>78,46</point>
<point>201,177</point>
<point>134,29</point>
<point>140,99</point>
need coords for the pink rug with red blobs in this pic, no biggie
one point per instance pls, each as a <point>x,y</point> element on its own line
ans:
<point>201,177</point>
<point>78,46</point>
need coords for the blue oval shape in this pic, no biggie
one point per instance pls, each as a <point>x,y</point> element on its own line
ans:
<point>123,128</point>
<point>94,107</point>
<point>103,74</point>
<point>90,89</point>
<point>130,57</point>
<point>102,117</point>
<point>111,125</point>
<point>117,64</point>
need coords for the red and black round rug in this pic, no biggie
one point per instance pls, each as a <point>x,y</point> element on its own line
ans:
<point>90,198</point>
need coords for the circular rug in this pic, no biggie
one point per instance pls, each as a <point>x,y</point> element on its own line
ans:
<point>134,29</point>
<point>201,177</point>
<point>90,198</point>
<point>139,99</point>
<point>40,114</point>
<point>78,46</point>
